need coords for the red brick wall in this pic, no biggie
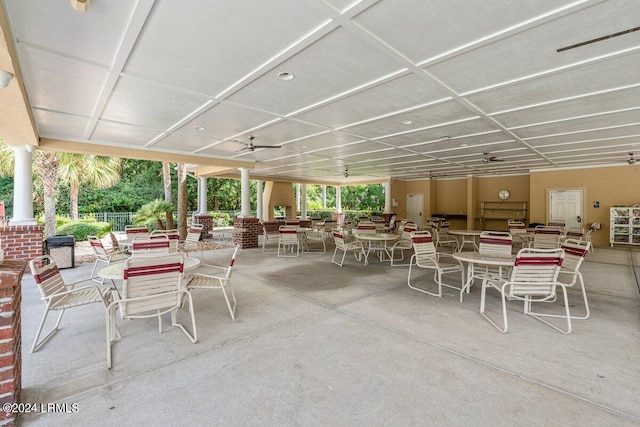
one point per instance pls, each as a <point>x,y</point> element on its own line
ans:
<point>207,224</point>
<point>22,241</point>
<point>10,345</point>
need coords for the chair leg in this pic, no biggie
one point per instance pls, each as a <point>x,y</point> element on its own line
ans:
<point>232,310</point>
<point>439,294</point>
<point>485,285</point>
<point>194,336</point>
<point>567,315</point>
<point>37,343</point>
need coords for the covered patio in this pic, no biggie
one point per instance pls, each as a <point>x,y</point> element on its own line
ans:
<point>316,344</point>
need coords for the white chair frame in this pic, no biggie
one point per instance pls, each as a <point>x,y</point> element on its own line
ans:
<point>426,256</point>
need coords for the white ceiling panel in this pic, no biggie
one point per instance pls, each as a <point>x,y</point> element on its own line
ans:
<point>338,63</point>
<point>445,26</point>
<point>578,125</point>
<point>403,93</point>
<point>437,133</point>
<point>485,67</point>
<point>215,43</point>
<point>124,133</point>
<point>587,106</point>
<point>597,136</point>
<point>54,125</point>
<point>142,103</point>
<point>582,80</point>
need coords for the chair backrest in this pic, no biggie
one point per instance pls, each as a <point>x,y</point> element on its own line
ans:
<point>220,222</point>
<point>556,223</point>
<point>338,238</point>
<point>409,228</point>
<point>366,227</point>
<point>47,276</point>
<point>495,242</point>
<point>150,276</point>
<point>444,228</point>
<point>114,242</point>
<point>98,248</point>
<point>423,246</point>
<point>173,236</point>
<point>546,237</point>
<point>535,272</point>
<point>288,234</point>
<point>379,223</point>
<point>516,227</point>
<point>392,222</point>
<point>575,233</point>
<point>574,252</point>
<point>158,245</point>
<point>194,233</point>
<point>135,231</point>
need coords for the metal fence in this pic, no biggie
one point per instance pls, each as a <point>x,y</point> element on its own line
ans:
<point>120,219</point>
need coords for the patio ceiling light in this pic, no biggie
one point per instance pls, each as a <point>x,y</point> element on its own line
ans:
<point>5,78</point>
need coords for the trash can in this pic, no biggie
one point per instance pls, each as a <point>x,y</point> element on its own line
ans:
<point>62,250</point>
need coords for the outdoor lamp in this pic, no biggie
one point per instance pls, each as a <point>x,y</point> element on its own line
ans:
<point>5,78</point>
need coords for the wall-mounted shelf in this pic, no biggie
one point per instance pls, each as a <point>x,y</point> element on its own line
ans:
<point>502,211</point>
<point>625,226</point>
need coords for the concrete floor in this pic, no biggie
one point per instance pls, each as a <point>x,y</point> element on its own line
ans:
<point>316,344</point>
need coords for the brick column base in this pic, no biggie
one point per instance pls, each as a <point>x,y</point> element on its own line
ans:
<point>22,241</point>
<point>10,345</point>
<point>250,238</point>
<point>207,224</point>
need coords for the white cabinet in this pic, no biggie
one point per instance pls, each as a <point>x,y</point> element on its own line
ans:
<point>625,226</point>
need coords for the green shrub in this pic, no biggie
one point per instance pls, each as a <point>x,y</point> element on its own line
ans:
<point>80,229</point>
<point>224,215</point>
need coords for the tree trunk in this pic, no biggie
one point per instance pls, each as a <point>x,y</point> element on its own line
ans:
<point>182,201</point>
<point>168,197</point>
<point>47,167</point>
<point>73,199</point>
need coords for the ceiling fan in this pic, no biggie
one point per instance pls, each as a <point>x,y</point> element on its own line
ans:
<point>346,173</point>
<point>632,160</point>
<point>488,158</point>
<point>251,146</point>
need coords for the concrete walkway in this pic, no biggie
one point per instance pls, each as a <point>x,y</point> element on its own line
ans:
<point>316,344</point>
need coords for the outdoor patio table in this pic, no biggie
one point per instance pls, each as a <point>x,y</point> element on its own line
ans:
<point>473,258</point>
<point>468,237</point>
<point>369,241</point>
<point>226,234</point>
<point>115,271</point>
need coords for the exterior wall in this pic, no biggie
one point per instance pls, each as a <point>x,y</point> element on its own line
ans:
<point>10,339</point>
<point>610,186</point>
<point>22,241</point>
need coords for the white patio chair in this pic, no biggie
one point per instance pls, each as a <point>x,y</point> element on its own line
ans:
<point>546,237</point>
<point>136,231</point>
<point>268,236</point>
<point>343,245</point>
<point>425,256</point>
<point>403,244</point>
<point>147,246</point>
<point>60,296</point>
<point>315,236</point>
<point>209,276</point>
<point>192,240</point>
<point>151,288</point>
<point>534,279</point>
<point>493,242</point>
<point>288,241</point>
<point>443,239</point>
<point>518,231</point>
<point>575,252</point>
<point>103,256</point>
<point>172,235</point>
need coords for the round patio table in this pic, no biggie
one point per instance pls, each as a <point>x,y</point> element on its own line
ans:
<point>468,237</point>
<point>373,241</point>
<point>473,258</point>
<point>115,271</point>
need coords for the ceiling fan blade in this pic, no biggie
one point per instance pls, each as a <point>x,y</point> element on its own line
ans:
<point>495,159</point>
<point>266,146</point>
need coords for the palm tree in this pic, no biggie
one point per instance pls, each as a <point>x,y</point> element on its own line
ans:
<point>101,172</point>
<point>182,200</point>
<point>47,167</point>
<point>155,209</point>
<point>168,197</point>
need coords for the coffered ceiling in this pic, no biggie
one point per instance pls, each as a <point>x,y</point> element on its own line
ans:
<point>405,89</point>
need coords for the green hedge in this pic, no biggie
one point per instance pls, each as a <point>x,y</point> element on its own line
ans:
<point>81,229</point>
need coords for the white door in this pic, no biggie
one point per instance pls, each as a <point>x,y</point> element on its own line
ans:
<point>414,209</point>
<point>566,205</point>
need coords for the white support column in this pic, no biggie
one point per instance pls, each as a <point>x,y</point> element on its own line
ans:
<point>324,197</point>
<point>387,197</point>
<point>303,201</point>
<point>202,195</point>
<point>22,186</point>
<point>338,199</point>
<point>259,200</point>
<point>245,200</point>
<point>298,206</point>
